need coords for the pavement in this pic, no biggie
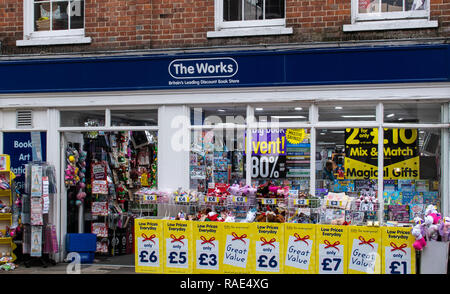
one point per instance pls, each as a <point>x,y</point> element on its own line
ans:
<point>102,265</point>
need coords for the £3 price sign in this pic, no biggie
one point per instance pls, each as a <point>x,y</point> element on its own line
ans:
<point>331,248</point>
<point>238,255</point>
<point>208,238</point>
<point>300,248</point>
<point>268,247</point>
<point>398,253</point>
<point>365,252</point>
<point>178,247</point>
<point>148,247</point>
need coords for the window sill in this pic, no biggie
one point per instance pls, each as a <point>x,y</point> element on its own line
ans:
<point>54,41</point>
<point>391,25</point>
<point>244,32</point>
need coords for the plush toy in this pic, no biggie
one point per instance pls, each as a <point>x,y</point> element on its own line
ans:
<point>432,218</point>
<point>273,191</point>
<point>419,233</point>
<point>234,190</point>
<point>251,215</point>
<point>444,229</point>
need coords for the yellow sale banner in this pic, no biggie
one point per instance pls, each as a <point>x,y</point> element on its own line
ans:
<point>269,243</point>
<point>209,244</point>
<point>148,245</point>
<point>239,256</point>
<point>399,256</point>
<point>331,249</point>
<point>178,249</point>
<point>300,248</point>
<point>364,250</point>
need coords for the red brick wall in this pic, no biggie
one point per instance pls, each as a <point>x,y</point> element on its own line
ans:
<point>159,24</point>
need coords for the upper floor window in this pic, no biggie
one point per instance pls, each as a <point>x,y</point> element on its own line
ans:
<point>48,22</point>
<point>390,14</point>
<point>249,18</point>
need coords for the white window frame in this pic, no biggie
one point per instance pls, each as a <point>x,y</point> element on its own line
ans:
<point>59,37</point>
<point>389,20</point>
<point>246,27</point>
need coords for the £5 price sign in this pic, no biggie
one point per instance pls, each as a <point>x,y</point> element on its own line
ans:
<point>399,256</point>
<point>178,250</point>
<point>148,234</point>
<point>331,249</point>
<point>208,238</point>
<point>300,248</point>
<point>238,256</point>
<point>269,244</point>
<point>365,252</point>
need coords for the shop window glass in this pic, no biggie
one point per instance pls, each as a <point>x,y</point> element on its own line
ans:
<point>346,170</point>
<point>237,10</point>
<point>147,117</point>
<point>411,172</point>
<point>347,112</point>
<point>58,15</point>
<point>84,118</point>
<point>216,158</point>
<point>219,115</point>
<point>292,113</point>
<point>412,113</point>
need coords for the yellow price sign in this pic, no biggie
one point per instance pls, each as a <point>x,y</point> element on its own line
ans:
<point>399,256</point>
<point>209,244</point>
<point>148,245</point>
<point>239,256</point>
<point>178,249</point>
<point>364,250</point>
<point>269,248</point>
<point>331,249</point>
<point>300,248</point>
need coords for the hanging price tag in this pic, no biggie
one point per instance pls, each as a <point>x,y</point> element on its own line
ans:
<point>151,197</point>
<point>178,247</point>
<point>301,202</point>
<point>148,247</point>
<point>300,248</point>
<point>240,199</point>
<point>269,201</point>
<point>212,199</point>
<point>209,243</point>
<point>182,199</point>
<point>365,252</point>
<point>331,249</point>
<point>268,247</point>
<point>398,253</point>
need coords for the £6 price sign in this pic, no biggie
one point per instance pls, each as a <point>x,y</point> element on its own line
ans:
<point>178,247</point>
<point>268,247</point>
<point>331,248</point>
<point>399,256</point>
<point>148,234</point>
<point>208,238</point>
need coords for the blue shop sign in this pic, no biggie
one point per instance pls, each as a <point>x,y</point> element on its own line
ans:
<point>18,146</point>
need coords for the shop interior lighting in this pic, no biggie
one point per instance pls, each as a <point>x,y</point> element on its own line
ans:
<point>401,118</point>
<point>358,116</point>
<point>287,116</point>
<point>221,110</point>
<point>390,115</point>
<point>337,132</point>
<point>338,107</point>
<point>259,109</point>
<point>298,108</point>
<point>323,134</point>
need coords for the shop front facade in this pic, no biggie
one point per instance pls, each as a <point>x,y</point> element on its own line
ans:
<point>191,117</point>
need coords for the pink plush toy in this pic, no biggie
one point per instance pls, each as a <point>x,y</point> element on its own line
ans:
<point>234,190</point>
<point>444,229</point>
<point>432,219</point>
<point>419,233</point>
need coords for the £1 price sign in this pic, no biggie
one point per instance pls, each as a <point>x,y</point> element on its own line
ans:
<point>238,255</point>
<point>331,249</point>
<point>178,247</point>
<point>208,238</point>
<point>300,248</point>
<point>148,234</point>
<point>269,244</point>
<point>399,256</point>
<point>365,252</point>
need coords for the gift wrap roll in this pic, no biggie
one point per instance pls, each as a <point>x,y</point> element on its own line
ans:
<point>365,245</point>
<point>399,255</point>
<point>148,245</point>
<point>269,248</point>
<point>178,249</point>
<point>209,247</point>
<point>331,249</point>
<point>239,255</point>
<point>300,248</point>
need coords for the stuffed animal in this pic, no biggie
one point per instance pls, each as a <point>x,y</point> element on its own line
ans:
<point>419,233</point>
<point>432,218</point>
<point>444,229</point>
<point>234,190</point>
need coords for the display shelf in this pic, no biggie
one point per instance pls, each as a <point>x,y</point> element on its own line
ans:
<point>8,241</point>
<point>5,240</point>
<point>5,193</point>
<point>5,216</point>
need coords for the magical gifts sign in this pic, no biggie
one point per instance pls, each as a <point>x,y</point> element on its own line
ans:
<point>401,154</point>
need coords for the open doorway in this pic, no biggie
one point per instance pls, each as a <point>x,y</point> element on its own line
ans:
<point>103,170</point>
